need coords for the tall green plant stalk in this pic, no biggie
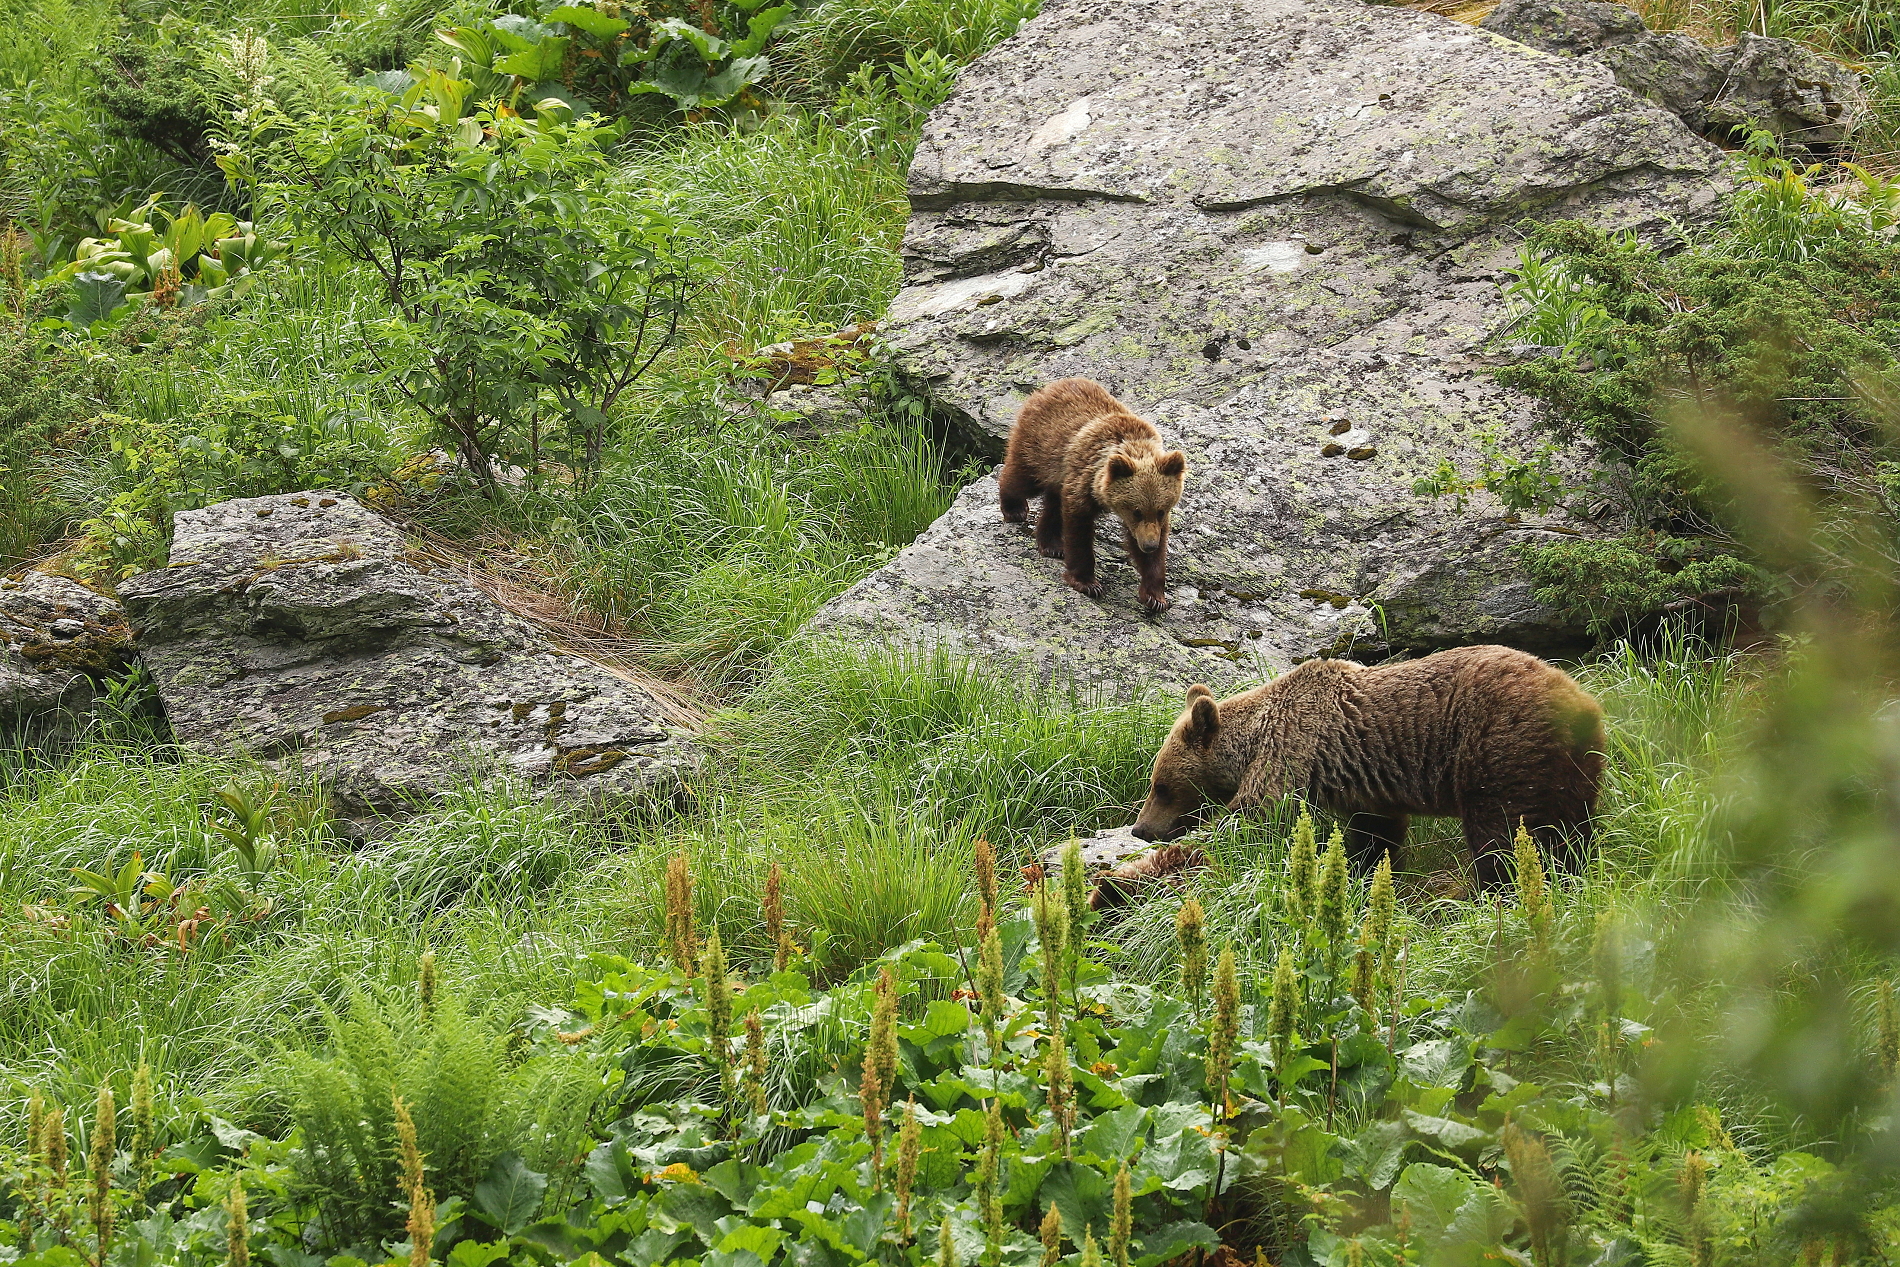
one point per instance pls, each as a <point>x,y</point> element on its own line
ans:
<point>103,1145</point>
<point>237,1227</point>
<point>755,1064</point>
<point>1121,1218</point>
<point>910,1148</point>
<point>989,1175</point>
<point>1190,937</point>
<point>144,1132</point>
<point>1075,903</point>
<point>680,939</point>
<point>1301,895</point>
<point>773,908</point>
<point>880,1068</point>
<point>1283,1018</point>
<point>1050,1234</point>
<point>718,998</point>
<point>1060,1088</point>
<point>1332,912</point>
<point>1052,930</point>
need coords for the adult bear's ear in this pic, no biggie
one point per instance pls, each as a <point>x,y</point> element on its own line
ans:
<point>1171,463</point>
<point>1203,720</point>
<point>1198,689</point>
<point>1119,467</point>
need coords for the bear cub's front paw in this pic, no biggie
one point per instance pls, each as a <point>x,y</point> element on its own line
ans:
<point>1089,589</point>
<point>1155,602</point>
<point>1049,551</point>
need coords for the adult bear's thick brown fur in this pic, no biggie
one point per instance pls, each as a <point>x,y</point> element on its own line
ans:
<point>1486,734</point>
<point>1084,452</point>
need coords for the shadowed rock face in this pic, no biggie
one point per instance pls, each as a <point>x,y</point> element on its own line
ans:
<point>1277,229</point>
<point>301,627</point>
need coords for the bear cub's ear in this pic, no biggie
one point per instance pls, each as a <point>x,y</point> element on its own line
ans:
<point>1203,720</point>
<point>1119,467</point>
<point>1171,463</point>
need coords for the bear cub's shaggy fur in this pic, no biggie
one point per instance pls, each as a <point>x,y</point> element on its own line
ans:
<point>1084,452</point>
<point>1486,734</point>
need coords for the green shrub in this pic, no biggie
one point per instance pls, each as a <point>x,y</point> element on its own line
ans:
<point>838,36</point>
<point>1784,318</point>
<point>156,84</point>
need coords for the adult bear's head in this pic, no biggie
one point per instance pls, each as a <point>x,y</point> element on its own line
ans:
<point>1191,771</point>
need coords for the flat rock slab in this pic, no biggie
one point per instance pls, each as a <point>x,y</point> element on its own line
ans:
<point>58,640</point>
<point>303,628</point>
<point>1279,229</point>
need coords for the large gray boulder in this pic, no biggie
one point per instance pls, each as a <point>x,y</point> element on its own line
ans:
<point>58,641</point>
<point>1758,82</point>
<point>1278,228</point>
<point>302,628</point>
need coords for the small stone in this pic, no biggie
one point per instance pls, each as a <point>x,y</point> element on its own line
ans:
<point>1361,453</point>
<point>1340,427</point>
<point>1331,449</point>
<point>67,627</point>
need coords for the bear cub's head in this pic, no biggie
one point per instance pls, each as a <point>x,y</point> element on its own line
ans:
<point>1141,483</point>
<point>1190,772</point>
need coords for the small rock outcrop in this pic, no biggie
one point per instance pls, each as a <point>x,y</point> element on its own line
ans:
<point>58,641</point>
<point>302,628</point>
<point>1279,230</point>
<point>1773,85</point>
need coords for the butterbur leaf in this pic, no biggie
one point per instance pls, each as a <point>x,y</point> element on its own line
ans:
<point>395,83</point>
<point>94,297</point>
<point>510,1194</point>
<point>734,79</point>
<point>592,21</point>
<point>537,62</point>
<point>1167,1244</point>
<point>759,28</point>
<point>709,47</point>
<point>515,32</point>
<point>476,1254</point>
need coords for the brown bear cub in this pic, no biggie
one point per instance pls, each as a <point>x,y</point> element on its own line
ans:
<point>1486,734</point>
<point>1083,452</point>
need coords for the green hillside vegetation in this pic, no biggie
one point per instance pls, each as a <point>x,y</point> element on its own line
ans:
<point>818,1017</point>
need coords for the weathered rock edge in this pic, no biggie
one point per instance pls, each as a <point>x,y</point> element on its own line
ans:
<point>58,640</point>
<point>302,629</point>
<point>1758,82</point>
<point>1279,229</point>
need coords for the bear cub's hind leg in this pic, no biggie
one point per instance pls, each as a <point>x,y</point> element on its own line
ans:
<point>1049,525</point>
<point>1015,486</point>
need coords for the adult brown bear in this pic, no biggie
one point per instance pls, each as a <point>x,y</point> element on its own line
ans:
<point>1486,734</point>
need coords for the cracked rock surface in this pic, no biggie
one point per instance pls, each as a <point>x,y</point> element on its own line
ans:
<point>301,628</point>
<point>57,640</point>
<point>1278,229</point>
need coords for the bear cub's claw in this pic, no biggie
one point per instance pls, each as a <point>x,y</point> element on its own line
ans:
<point>1050,552</point>
<point>1088,589</point>
<point>1155,602</point>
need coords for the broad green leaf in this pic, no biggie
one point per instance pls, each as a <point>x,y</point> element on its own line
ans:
<point>477,1254</point>
<point>1432,1195</point>
<point>592,21</point>
<point>537,62</point>
<point>510,1193</point>
<point>1083,1194</point>
<point>95,296</point>
<point>393,82</point>
<point>759,28</point>
<point>1167,1244</point>
<point>1441,1062</point>
<point>1113,1136</point>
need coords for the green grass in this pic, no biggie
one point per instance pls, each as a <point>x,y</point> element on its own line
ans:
<point>867,780</point>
